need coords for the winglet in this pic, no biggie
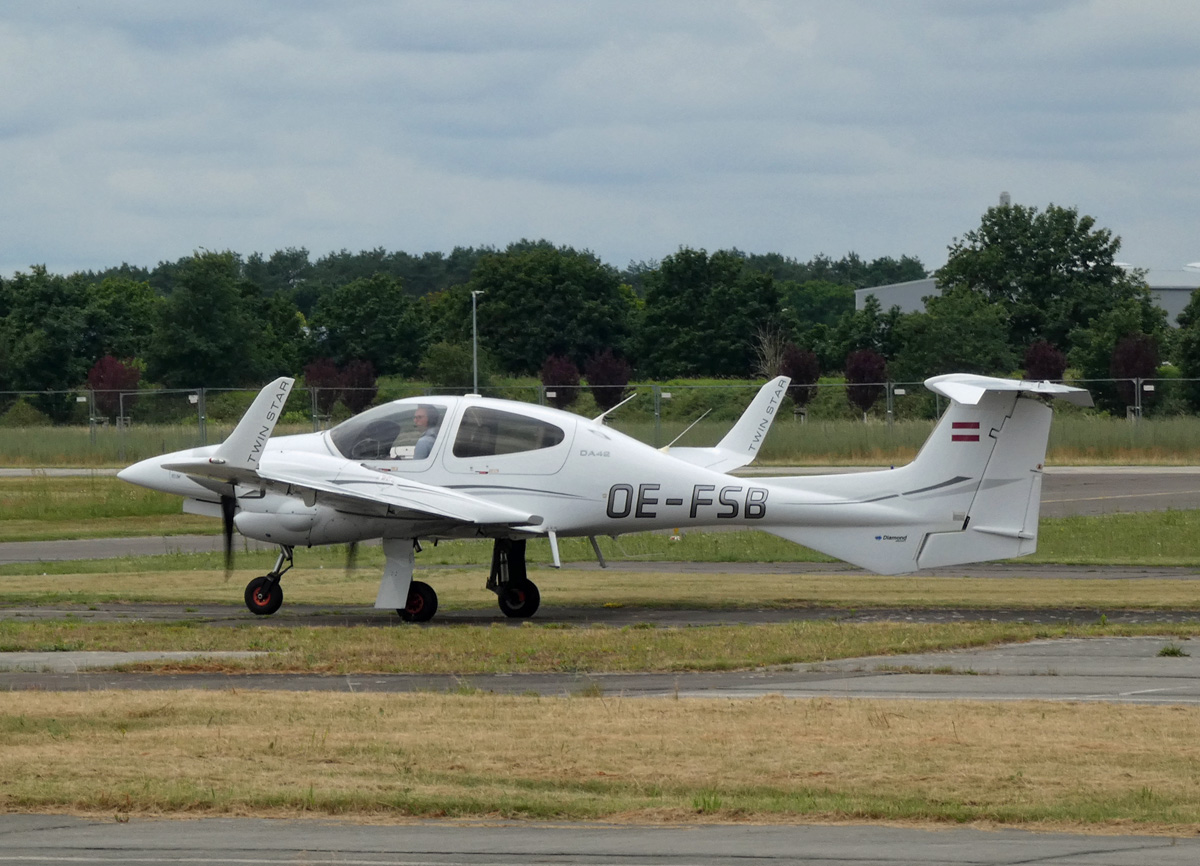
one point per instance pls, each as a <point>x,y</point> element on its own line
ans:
<point>751,429</point>
<point>248,440</point>
<point>740,445</point>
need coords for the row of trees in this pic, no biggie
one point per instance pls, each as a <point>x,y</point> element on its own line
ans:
<point>1026,290</point>
<point>219,320</point>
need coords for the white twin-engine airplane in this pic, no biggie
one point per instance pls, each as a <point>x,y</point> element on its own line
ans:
<point>469,467</point>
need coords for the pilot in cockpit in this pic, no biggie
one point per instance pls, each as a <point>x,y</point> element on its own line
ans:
<point>427,421</point>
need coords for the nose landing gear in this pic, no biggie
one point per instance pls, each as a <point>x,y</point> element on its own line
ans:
<point>264,595</point>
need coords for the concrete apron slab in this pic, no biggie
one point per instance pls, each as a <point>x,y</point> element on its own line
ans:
<point>69,662</point>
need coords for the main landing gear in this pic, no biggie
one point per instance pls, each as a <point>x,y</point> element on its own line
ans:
<point>517,594</point>
<point>264,595</point>
<point>422,603</point>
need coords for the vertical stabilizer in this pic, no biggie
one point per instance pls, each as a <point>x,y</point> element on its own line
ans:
<point>1002,521</point>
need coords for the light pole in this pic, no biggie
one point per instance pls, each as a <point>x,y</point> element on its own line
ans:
<point>475,343</point>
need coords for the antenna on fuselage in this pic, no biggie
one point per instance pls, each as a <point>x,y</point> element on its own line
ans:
<point>684,433</point>
<point>605,413</point>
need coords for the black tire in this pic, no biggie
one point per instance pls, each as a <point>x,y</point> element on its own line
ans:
<point>422,603</point>
<point>263,596</point>
<point>520,599</point>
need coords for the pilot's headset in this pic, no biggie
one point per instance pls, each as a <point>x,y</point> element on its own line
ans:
<point>431,412</point>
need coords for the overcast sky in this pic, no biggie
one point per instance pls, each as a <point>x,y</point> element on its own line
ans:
<point>141,130</point>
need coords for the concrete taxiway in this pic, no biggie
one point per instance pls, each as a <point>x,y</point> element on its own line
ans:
<point>48,839</point>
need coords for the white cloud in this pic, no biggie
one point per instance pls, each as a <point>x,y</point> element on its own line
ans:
<point>140,131</point>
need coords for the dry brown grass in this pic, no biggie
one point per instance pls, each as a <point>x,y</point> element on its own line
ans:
<point>1035,764</point>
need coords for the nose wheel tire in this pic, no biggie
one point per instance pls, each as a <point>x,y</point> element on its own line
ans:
<point>422,603</point>
<point>264,595</point>
<point>519,599</point>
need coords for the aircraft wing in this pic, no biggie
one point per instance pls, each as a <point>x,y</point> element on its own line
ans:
<point>355,489</point>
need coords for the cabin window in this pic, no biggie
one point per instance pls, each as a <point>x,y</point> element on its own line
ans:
<point>486,432</point>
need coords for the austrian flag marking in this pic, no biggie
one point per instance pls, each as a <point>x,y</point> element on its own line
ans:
<point>964,437</point>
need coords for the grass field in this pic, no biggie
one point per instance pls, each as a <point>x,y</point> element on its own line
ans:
<point>1074,439</point>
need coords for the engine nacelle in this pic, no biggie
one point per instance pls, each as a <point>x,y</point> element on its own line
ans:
<point>298,525</point>
<point>290,529</point>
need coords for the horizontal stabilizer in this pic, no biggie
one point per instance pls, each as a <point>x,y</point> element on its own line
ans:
<point>969,390</point>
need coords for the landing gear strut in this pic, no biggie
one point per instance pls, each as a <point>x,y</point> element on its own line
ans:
<point>264,595</point>
<point>518,595</point>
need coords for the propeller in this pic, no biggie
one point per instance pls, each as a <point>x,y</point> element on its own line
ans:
<point>351,557</point>
<point>228,508</point>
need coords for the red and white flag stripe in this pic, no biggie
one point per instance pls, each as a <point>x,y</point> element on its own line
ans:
<point>964,437</point>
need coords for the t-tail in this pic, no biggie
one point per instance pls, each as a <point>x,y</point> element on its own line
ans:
<point>972,494</point>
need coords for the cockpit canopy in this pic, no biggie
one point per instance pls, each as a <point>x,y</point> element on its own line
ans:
<point>390,431</point>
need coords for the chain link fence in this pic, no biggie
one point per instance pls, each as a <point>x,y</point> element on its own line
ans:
<point>128,424</point>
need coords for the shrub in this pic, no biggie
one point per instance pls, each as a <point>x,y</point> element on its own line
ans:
<point>803,368</point>
<point>107,378</point>
<point>607,378</point>
<point>561,375</point>
<point>1044,362</point>
<point>1135,357</point>
<point>21,414</point>
<point>866,372</point>
<point>450,366</point>
<point>358,385</point>
<point>324,377</point>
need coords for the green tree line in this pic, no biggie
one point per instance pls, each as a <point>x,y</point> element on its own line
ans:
<point>1025,281</point>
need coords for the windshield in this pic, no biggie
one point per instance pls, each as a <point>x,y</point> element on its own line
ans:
<point>395,431</point>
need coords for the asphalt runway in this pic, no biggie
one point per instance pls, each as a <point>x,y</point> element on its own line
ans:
<point>50,839</point>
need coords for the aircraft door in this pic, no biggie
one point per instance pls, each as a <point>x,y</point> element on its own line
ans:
<point>496,441</point>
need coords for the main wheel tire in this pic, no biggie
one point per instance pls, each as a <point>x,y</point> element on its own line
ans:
<point>264,596</point>
<point>422,603</point>
<point>520,599</point>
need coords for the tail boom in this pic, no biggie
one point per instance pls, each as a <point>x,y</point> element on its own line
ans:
<point>972,494</point>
